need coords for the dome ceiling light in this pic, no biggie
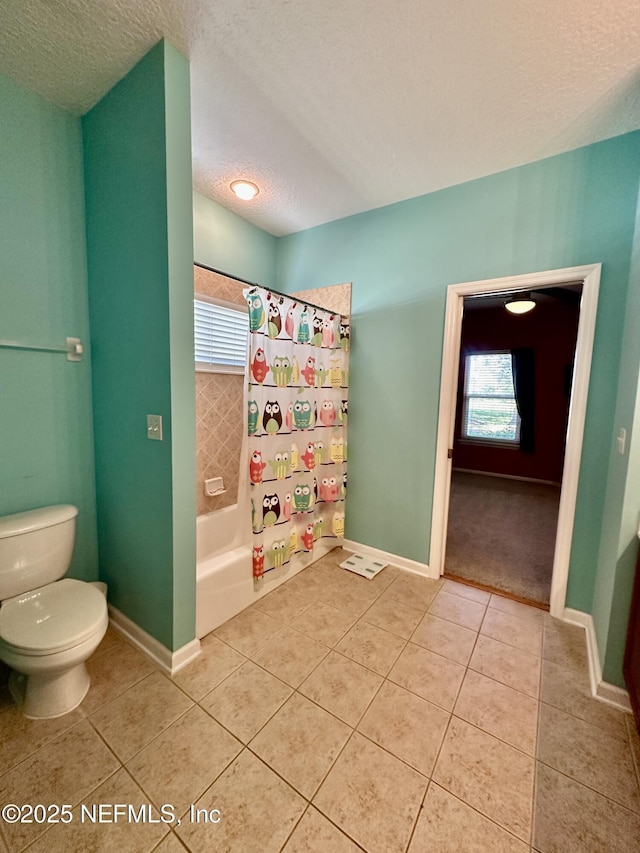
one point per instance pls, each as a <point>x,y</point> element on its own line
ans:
<point>245,190</point>
<point>520,303</point>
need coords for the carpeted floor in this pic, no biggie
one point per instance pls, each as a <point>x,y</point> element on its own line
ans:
<point>502,533</point>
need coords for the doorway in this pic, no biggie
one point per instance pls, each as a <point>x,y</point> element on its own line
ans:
<point>588,278</point>
<point>512,408</point>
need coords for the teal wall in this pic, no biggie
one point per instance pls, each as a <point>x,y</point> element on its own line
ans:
<point>228,243</point>
<point>46,433</point>
<point>140,297</point>
<point>619,544</point>
<point>180,254</point>
<point>576,208</point>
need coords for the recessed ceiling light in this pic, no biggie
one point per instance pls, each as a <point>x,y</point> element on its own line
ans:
<point>520,303</point>
<point>245,190</point>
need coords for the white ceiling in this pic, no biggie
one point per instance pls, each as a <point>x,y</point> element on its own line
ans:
<point>337,106</point>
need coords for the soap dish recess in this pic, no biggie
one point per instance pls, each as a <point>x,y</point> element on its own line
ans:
<point>214,487</point>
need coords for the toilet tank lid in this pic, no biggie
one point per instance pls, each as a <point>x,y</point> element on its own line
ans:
<point>35,519</point>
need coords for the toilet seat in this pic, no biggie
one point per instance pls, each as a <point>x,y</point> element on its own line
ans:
<point>53,618</point>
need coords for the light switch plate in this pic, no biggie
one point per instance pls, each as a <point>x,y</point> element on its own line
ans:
<point>154,427</point>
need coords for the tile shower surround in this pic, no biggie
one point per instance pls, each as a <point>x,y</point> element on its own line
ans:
<point>219,415</point>
<point>339,714</point>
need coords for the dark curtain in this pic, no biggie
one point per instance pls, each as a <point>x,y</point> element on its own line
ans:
<point>524,384</point>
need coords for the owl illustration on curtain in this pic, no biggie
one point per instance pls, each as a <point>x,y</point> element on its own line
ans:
<point>318,525</point>
<point>336,449</point>
<point>328,413</point>
<point>344,411</point>
<point>303,327</point>
<point>327,332</point>
<point>254,414</point>
<point>344,336</point>
<point>288,418</point>
<point>256,467</point>
<point>302,414</point>
<point>302,498</point>
<point>321,374</point>
<point>307,538</point>
<point>259,366</point>
<point>329,489</point>
<point>293,541</point>
<point>309,371</point>
<point>335,372</point>
<point>281,371</point>
<point>309,457</point>
<point>275,319</point>
<point>278,553</point>
<point>286,509</point>
<point>256,312</point>
<point>343,486</point>
<point>295,456</point>
<point>272,417</point>
<point>280,465</point>
<point>318,452</point>
<point>316,331</point>
<point>270,510</point>
<point>337,524</point>
<point>289,322</point>
<point>258,561</point>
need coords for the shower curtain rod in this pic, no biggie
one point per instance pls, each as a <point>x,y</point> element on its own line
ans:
<point>270,289</point>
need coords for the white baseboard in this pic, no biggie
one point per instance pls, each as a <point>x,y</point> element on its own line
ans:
<point>403,562</point>
<point>602,690</point>
<point>168,661</point>
<point>509,477</point>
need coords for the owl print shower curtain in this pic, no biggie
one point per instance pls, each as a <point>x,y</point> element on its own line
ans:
<point>298,378</point>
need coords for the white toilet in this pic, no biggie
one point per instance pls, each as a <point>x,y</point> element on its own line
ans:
<point>48,627</point>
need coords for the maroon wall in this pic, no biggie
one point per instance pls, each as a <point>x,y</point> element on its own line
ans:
<point>550,329</point>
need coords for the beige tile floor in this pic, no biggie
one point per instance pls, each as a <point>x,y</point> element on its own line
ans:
<point>340,714</point>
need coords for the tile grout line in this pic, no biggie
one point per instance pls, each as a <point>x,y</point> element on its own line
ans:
<point>420,811</point>
<point>73,805</point>
<point>589,787</point>
<point>630,726</point>
<point>597,726</point>
<point>452,715</point>
<point>45,744</point>
<point>535,759</point>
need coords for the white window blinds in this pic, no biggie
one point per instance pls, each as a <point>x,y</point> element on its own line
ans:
<point>220,332</point>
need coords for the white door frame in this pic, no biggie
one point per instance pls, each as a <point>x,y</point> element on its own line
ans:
<point>590,276</point>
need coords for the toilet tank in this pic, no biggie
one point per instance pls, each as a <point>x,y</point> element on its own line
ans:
<point>35,548</point>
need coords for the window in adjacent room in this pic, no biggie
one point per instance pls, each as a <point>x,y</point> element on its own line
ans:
<point>489,412</point>
<point>221,331</point>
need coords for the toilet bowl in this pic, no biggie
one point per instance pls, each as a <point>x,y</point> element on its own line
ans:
<point>47,631</point>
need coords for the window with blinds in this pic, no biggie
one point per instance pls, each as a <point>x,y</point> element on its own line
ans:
<point>489,411</point>
<point>221,331</point>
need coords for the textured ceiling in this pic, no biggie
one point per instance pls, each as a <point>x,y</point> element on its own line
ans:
<point>336,107</point>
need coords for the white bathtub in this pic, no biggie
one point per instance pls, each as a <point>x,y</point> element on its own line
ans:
<point>224,572</point>
<point>224,578</point>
